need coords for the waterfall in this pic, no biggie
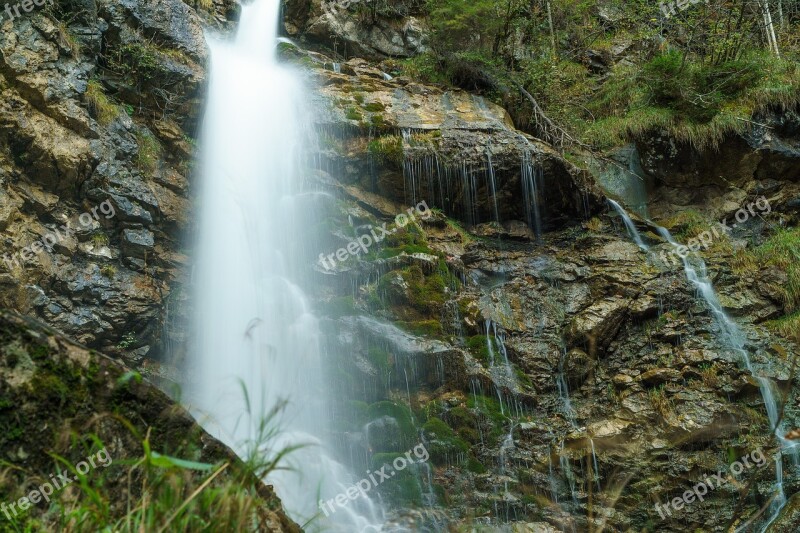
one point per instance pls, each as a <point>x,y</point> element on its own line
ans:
<point>531,177</point>
<point>732,337</point>
<point>254,329</point>
<point>634,233</point>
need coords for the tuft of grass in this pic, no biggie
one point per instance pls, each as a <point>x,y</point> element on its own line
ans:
<point>709,375</point>
<point>594,224</point>
<point>166,493</point>
<point>353,114</point>
<point>788,326</point>
<point>687,225</point>
<point>108,271</point>
<point>100,239</point>
<point>149,152</point>
<point>389,149</point>
<point>99,104</point>
<point>660,402</point>
<point>782,250</point>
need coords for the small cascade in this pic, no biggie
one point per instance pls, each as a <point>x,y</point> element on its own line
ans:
<point>336,67</point>
<point>596,471</point>
<point>563,392</point>
<point>531,181</point>
<point>569,413</point>
<point>566,469</point>
<point>386,77</point>
<point>632,231</point>
<point>492,186</point>
<point>733,337</point>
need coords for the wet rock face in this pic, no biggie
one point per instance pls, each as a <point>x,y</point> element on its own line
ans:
<point>100,107</point>
<point>410,142</point>
<point>359,28</point>
<point>598,360</point>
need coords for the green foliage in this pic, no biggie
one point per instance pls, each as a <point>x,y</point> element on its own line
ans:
<point>686,225</point>
<point>149,153</point>
<point>128,340</point>
<point>782,250</point>
<point>108,271</point>
<point>353,114</point>
<point>444,445</point>
<point>388,149</point>
<point>698,89</point>
<point>140,61</point>
<point>788,326</point>
<point>165,493</point>
<point>99,104</point>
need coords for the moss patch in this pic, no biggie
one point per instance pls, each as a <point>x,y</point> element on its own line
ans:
<point>388,149</point>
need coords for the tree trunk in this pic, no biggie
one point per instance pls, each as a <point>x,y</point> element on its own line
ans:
<point>552,30</point>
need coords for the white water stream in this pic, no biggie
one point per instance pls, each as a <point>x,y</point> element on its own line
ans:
<point>254,328</point>
<point>732,337</point>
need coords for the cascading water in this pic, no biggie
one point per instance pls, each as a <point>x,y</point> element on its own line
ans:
<point>632,231</point>
<point>734,339</point>
<point>254,329</point>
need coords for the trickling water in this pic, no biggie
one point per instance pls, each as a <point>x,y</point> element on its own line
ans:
<point>254,328</point>
<point>563,391</point>
<point>734,339</point>
<point>531,179</point>
<point>594,463</point>
<point>634,233</point>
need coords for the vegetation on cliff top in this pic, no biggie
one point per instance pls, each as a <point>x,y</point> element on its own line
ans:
<point>600,74</point>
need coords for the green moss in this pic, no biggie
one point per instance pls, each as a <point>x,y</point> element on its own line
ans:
<point>388,149</point>
<point>339,307</point>
<point>782,250</point>
<point>475,466</point>
<point>381,358</point>
<point>431,328</point>
<point>401,413</point>
<point>375,107</point>
<point>444,445</point>
<point>424,293</point>
<point>353,114</point>
<point>149,153</point>
<point>478,346</point>
<point>99,104</point>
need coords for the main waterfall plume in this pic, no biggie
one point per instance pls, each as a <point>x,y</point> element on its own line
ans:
<point>257,340</point>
